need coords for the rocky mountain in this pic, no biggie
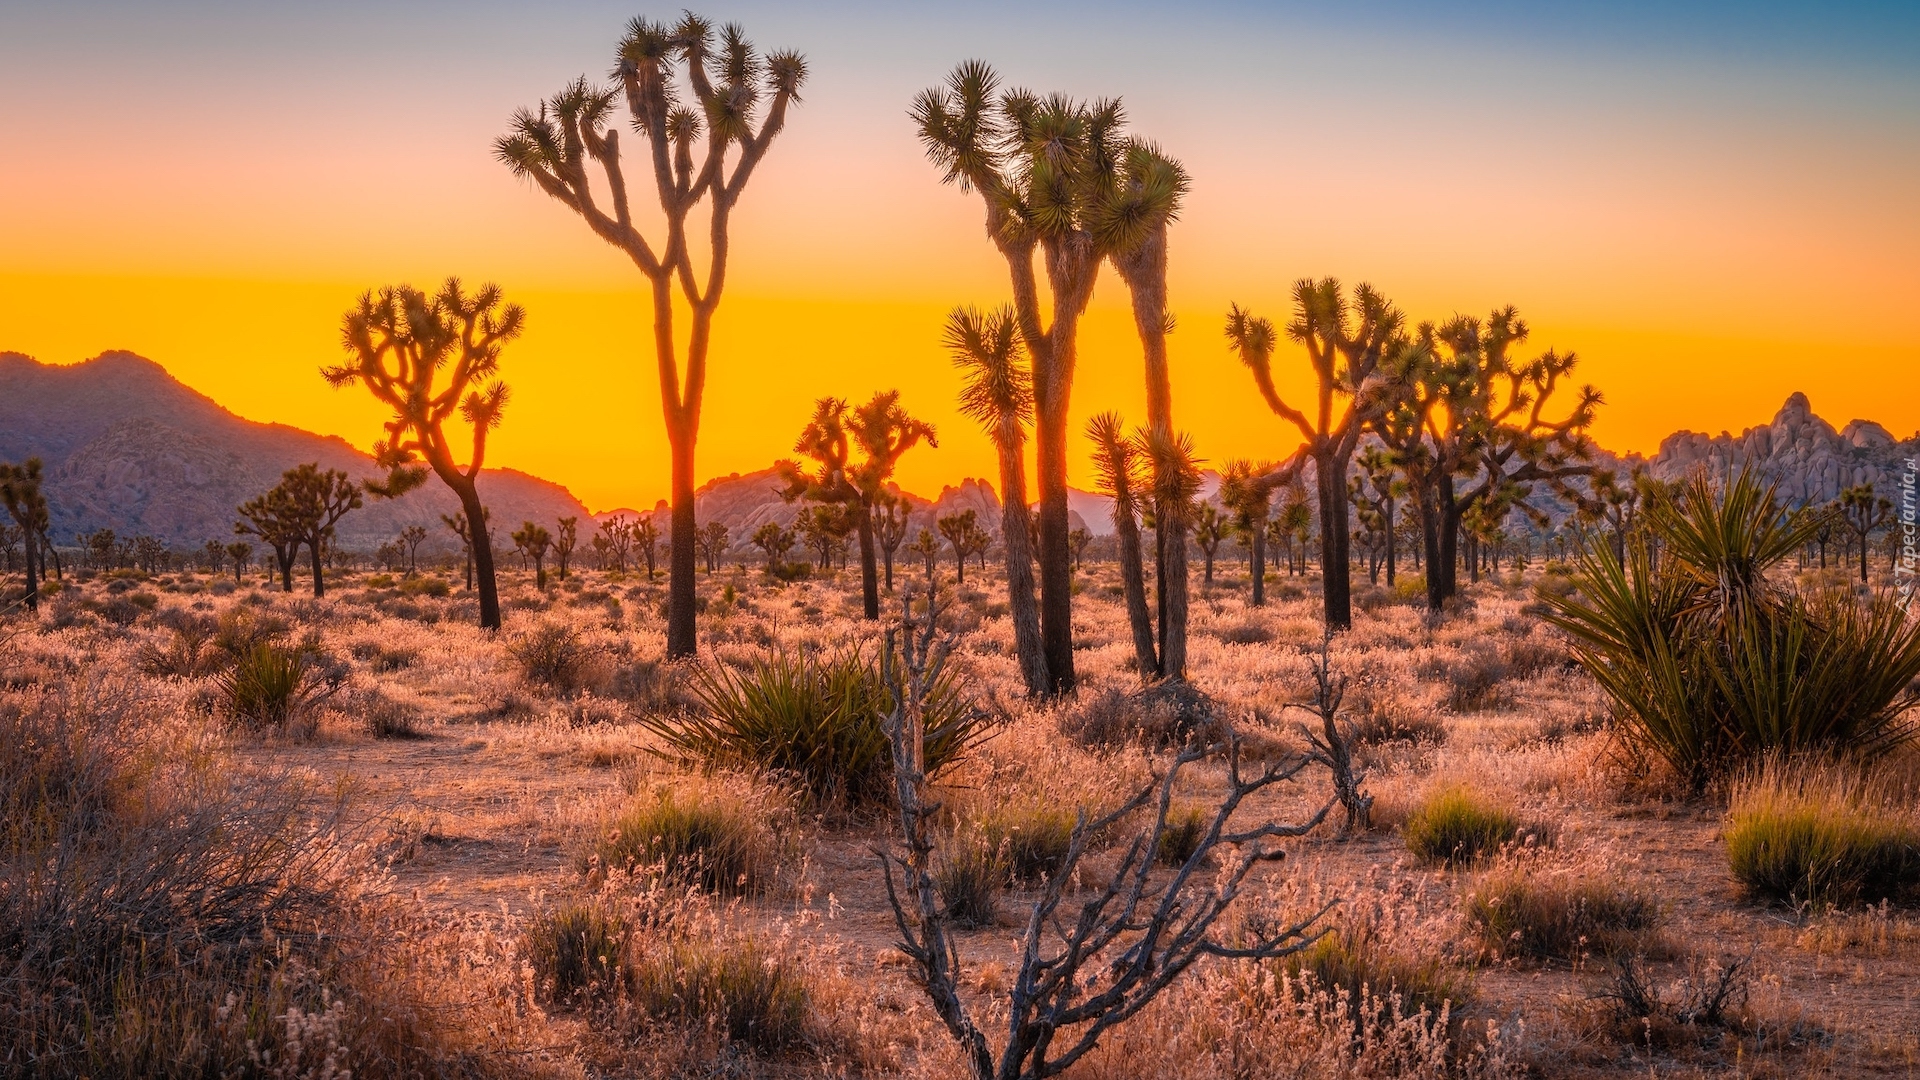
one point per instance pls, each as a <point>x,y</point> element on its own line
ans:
<point>1800,452</point>
<point>128,447</point>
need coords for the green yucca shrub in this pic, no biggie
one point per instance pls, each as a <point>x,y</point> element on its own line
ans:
<point>818,721</point>
<point>266,686</point>
<point>736,984</point>
<point>1357,960</point>
<point>1708,663</point>
<point>970,873</point>
<point>1820,834</point>
<point>1186,827</point>
<point>1031,838</point>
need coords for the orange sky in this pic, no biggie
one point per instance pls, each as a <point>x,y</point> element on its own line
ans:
<point>1709,232</point>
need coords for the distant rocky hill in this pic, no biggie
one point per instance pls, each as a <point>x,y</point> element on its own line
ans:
<point>1798,451</point>
<point>128,447</point>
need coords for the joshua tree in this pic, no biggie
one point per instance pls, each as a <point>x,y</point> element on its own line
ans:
<point>1080,974</point>
<point>1210,527</point>
<point>1246,487</point>
<point>964,534</point>
<point>272,518</point>
<point>1117,459</point>
<point>646,543</point>
<point>565,538</point>
<point>614,542</point>
<point>1059,180</point>
<point>713,543</point>
<point>317,501</point>
<point>240,552</point>
<point>1454,405</point>
<point>1175,476</point>
<point>213,555</point>
<point>774,541</point>
<point>1077,542</point>
<point>1864,514</point>
<point>20,491</point>
<point>1345,342</point>
<point>10,538</point>
<point>705,151</point>
<point>891,514</point>
<point>401,342</point>
<point>411,538</point>
<point>1379,472</point>
<point>533,541</point>
<point>927,546</point>
<point>457,523</point>
<point>882,431</point>
<point>997,391</point>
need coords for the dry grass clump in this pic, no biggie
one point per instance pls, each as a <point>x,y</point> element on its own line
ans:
<point>1358,963</point>
<point>970,874</point>
<point>1030,838</point>
<point>1458,825</point>
<point>1386,719</point>
<point>1821,834</point>
<point>1524,908</point>
<point>1163,715</point>
<point>1474,676</point>
<point>557,658</point>
<point>712,835</point>
<point>577,950</point>
<point>388,717</point>
<point>278,688</point>
<point>1186,827</point>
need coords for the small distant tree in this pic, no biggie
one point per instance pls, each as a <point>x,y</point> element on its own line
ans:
<point>565,539</point>
<point>1077,542</point>
<point>773,541</point>
<point>318,501</point>
<point>213,556</point>
<point>20,491</point>
<point>714,541</point>
<point>646,541</point>
<point>1122,478</point>
<point>1864,513</point>
<point>240,552</point>
<point>927,546</point>
<point>533,541</point>
<point>273,519</point>
<point>1386,488</point>
<point>1247,488</point>
<point>425,358</point>
<point>411,538</point>
<point>1210,527</point>
<point>457,524</point>
<point>960,530</point>
<point>891,513</point>
<point>10,537</point>
<point>614,542</point>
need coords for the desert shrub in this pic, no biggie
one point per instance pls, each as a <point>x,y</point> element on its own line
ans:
<point>1821,835</point>
<point>651,686</point>
<point>1385,720</point>
<point>735,983</point>
<point>1410,588</point>
<point>1457,825</point>
<point>790,571</point>
<point>969,874</point>
<point>1356,961</point>
<point>555,657</point>
<point>383,658</point>
<point>709,838</point>
<point>1164,714</point>
<point>187,654</point>
<point>577,950</point>
<point>378,581</point>
<point>1473,680</point>
<point>816,721</point>
<point>388,717</point>
<point>1529,655</point>
<point>1708,663</point>
<point>1186,827</point>
<point>1031,839</point>
<point>426,585</point>
<point>240,629</point>
<point>273,686</point>
<point>1522,909</point>
<point>1245,633</point>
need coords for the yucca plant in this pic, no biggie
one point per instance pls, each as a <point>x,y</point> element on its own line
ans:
<point>1708,662</point>
<point>266,686</point>
<point>815,720</point>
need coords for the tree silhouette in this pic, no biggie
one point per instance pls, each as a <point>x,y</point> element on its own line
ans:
<point>401,342</point>
<point>882,431</point>
<point>963,534</point>
<point>1456,406</point>
<point>1382,476</point>
<point>656,69</point>
<point>891,514</point>
<point>1077,542</point>
<point>213,556</point>
<point>713,543</point>
<point>773,540</point>
<point>1058,180</point>
<point>646,543</point>
<point>1345,342</point>
<point>1246,487</point>
<point>534,542</point>
<point>273,518</point>
<point>997,391</point>
<point>1210,527</point>
<point>566,537</point>
<point>1864,513</point>
<point>412,537</point>
<point>1174,476</point>
<point>240,552</point>
<point>457,523</point>
<point>20,491</point>
<point>614,542</point>
<point>927,546</point>
<point>1117,460</point>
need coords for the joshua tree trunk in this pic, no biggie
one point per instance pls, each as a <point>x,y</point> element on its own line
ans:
<point>1133,583</point>
<point>479,548</point>
<point>1144,269</point>
<point>33,569</point>
<point>1016,538</point>
<point>319,581</point>
<point>285,554</point>
<point>869,571</point>
<point>1390,542</point>
<point>1330,470</point>
<point>1257,564</point>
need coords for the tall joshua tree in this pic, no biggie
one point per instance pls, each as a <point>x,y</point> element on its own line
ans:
<point>700,152</point>
<point>565,538</point>
<point>882,431</point>
<point>997,391</point>
<point>1345,341</point>
<point>425,357</point>
<point>1863,513</point>
<point>1049,170</point>
<point>1122,477</point>
<point>318,500</point>
<point>20,491</point>
<point>272,518</point>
